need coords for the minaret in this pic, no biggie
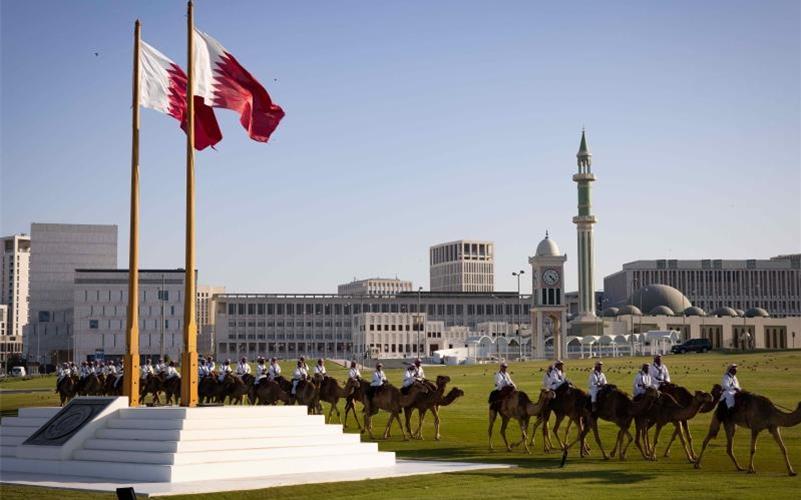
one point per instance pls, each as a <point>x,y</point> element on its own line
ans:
<point>584,221</point>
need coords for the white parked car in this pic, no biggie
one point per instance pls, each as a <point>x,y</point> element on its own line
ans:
<point>18,371</point>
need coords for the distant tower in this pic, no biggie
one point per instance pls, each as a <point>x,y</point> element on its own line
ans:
<point>548,294</point>
<point>584,221</point>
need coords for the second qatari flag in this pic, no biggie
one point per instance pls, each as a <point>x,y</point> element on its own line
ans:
<point>224,83</point>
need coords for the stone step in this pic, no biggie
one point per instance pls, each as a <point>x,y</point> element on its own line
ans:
<point>39,411</point>
<point>214,423</point>
<point>6,430</point>
<point>219,444</point>
<point>34,422</point>
<point>8,450</point>
<point>226,433</point>
<point>342,451</point>
<point>194,472</point>
<point>177,412</point>
<point>12,440</point>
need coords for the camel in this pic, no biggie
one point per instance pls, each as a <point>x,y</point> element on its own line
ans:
<point>66,389</point>
<point>684,398</point>
<point>238,389</point>
<point>331,392</point>
<point>518,406</point>
<point>431,402</point>
<point>570,402</point>
<point>615,406</point>
<point>666,410</point>
<point>356,392</point>
<point>90,385</point>
<point>149,385</point>
<point>754,412</point>
<point>172,389</point>
<point>388,398</point>
<point>307,394</point>
<point>267,392</point>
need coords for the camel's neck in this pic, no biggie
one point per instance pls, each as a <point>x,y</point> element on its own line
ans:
<point>449,398</point>
<point>788,419</point>
<point>689,411</point>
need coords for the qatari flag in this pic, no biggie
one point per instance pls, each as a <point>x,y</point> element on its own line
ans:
<point>224,83</point>
<point>162,86</point>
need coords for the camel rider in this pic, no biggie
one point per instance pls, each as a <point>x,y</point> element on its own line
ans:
<point>503,385</point>
<point>408,379</point>
<point>597,380</point>
<point>319,368</point>
<point>117,373</point>
<point>170,371</point>
<point>97,368</point>
<point>261,370</point>
<point>109,369</point>
<point>146,369</point>
<point>731,386</point>
<point>243,368</point>
<point>63,372</point>
<point>202,369</point>
<point>274,371</point>
<point>379,379</point>
<point>419,374</point>
<point>160,366</point>
<point>86,370</point>
<point>555,377</point>
<point>210,365</point>
<point>354,373</point>
<point>300,373</point>
<point>642,381</point>
<point>659,372</point>
<point>225,369</point>
<point>302,360</point>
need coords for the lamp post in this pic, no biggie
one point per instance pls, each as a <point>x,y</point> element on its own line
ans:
<point>519,307</point>
<point>417,318</point>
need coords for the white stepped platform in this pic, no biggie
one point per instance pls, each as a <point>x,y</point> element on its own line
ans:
<point>188,444</point>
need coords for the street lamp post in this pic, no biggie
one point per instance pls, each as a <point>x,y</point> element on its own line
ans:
<point>519,307</point>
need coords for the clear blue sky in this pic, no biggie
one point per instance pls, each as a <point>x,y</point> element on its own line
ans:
<point>413,123</point>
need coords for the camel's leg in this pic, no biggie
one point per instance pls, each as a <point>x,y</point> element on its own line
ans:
<point>656,440</point>
<point>492,416</point>
<point>670,443</point>
<point>685,426</point>
<point>534,430</point>
<point>638,441</point>
<point>523,438</point>
<point>418,433</point>
<point>754,435</point>
<point>567,429</point>
<point>556,425</point>
<point>407,416</point>
<point>504,423</point>
<point>368,424</point>
<point>625,433</point>
<point>435,411</point>
<point>776,433</point>
<point>730,428</point>
<point>714,428</point>
<point>598,439</point>
<point>685,443</point>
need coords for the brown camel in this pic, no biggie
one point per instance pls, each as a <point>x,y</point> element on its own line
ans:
<point>150,385</point>
<point>331,393</point>
<point>431,401</point>
<point>517,405</point>
<point>307,394</point>
<point>172,389</point>
<point>614,405</point>
<point>389,398</point>
<point>91,385</point>
<point>237,390</point>
<point>754,412</point>
<point>66,388</point>
<point>268,392</point>
<point>357,390</point>
<point>684,398</point>
<point>570,402</point>
<point>666,410</point>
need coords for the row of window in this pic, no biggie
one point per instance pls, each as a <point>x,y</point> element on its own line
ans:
<point>281,309</point>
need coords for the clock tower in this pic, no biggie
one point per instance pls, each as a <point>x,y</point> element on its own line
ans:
<point>549,311</point>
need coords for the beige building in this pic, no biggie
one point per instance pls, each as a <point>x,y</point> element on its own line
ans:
<point>10,344</point>
<point>462,266</point>
<point>773,284</point>
<point>393,336</point>
<point>14,278</point>
<point>375,286</point>
<point>206,311</point>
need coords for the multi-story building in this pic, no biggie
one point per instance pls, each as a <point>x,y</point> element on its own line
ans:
<point>10,344</point>
<point>462,266</point>
<point>14,278</point>
<point>772,284</point>
<point>100,299</point>
<point>375,286</point>
<point>572,302</point>
<point>288,325</point>
<point>57,250</point>
<point>205,310</point>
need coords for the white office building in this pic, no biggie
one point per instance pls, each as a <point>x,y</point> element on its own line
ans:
<point>14,281</point>
<point>773,284</point>
<point>101,311</point>
<point>10,344</point>
<point>206,315</point>
<point>57,250</point>
<point>375,286</point>
<point>462,266</point>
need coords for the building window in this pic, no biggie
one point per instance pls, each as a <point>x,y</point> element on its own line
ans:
<point>94,324</point>
<point>44,316</point>
<point>163,295</point>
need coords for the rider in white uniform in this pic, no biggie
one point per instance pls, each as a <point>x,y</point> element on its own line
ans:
<point>659,372</point>
<point>354,373</point>
<point>731,385</point>
<point>170,371</point>
<point>642,380</point>
<point>275,369</point>
<point>597,380</point>
<point>319,368</point>
<point>225,369</point>
<point>261,371</point>
<point>299,374</point>
<point>502,378</point>
<point>243,368</point>
<point>555,377</point>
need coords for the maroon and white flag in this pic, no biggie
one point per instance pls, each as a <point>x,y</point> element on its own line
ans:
<point>162,86</point>
<point>224,83</point>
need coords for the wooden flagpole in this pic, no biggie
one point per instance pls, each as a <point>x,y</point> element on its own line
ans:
<point>189,375</point>
<point>130,379</point>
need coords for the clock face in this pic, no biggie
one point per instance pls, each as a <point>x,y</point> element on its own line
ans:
<point>550,277</point>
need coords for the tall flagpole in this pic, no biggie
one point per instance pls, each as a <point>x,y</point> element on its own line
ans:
<point>189,375</point>
<point>130,379</point>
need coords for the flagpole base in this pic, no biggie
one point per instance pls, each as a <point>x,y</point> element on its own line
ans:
<point>189,379</point>
<point>130,379</point>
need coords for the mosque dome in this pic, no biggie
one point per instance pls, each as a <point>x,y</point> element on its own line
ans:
<point>661,311</point>
<point>756,312</point>
<point>651,296</point>
<point>725,311</point>
<point>548,248</point>
<point>740,313</point>
<point>694,311</point>
<point>630,310</point>
<point>610,312</point>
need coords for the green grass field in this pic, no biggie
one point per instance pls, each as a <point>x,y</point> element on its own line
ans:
<point>464,438</point>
